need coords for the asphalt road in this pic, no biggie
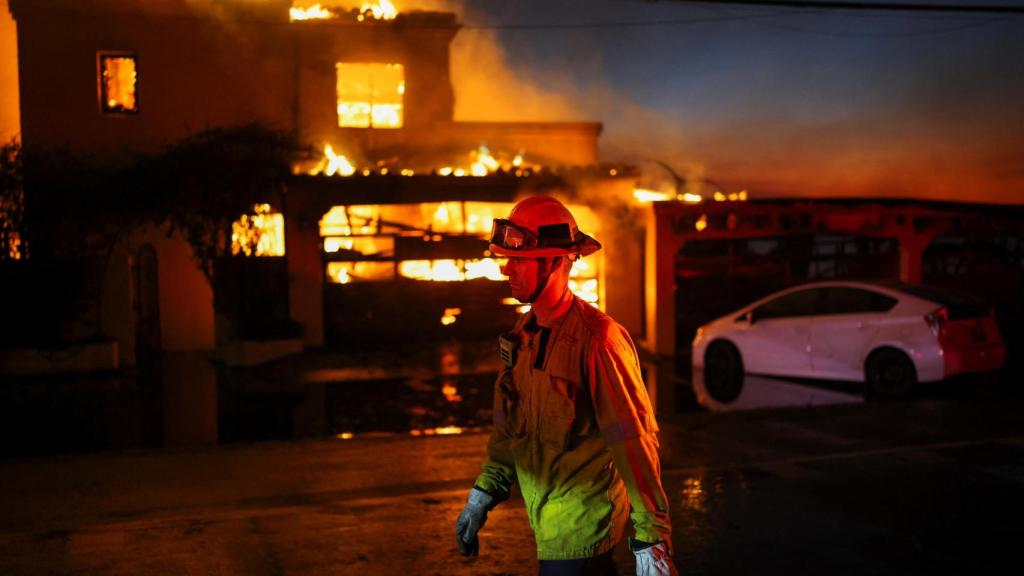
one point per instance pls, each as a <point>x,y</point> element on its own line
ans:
<point>934,485</point>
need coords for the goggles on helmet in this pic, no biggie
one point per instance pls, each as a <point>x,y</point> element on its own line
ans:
<point>506,234</point>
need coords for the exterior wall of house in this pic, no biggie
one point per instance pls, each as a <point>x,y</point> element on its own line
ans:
<point>195,71</point>
<point>10,120</point>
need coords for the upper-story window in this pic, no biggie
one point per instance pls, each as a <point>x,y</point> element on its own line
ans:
<point>118,79</point>
<point>370,95</point>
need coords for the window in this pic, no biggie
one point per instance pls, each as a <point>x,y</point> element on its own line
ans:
<point>260,233</point>
<point>118,79</point>
<point>855,301</point>
<point>802,303</point>
<point>370,95</point>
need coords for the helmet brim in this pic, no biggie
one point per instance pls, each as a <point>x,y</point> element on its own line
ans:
<point>585,246</point>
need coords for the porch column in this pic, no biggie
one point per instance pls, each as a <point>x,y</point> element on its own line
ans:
<point>660,289</point>
<point>305,269</point>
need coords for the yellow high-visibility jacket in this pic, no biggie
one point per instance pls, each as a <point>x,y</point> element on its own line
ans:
<point>574,426</point>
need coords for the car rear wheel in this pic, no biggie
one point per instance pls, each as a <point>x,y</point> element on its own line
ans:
<point>889,373</point>
<point>723,372</point>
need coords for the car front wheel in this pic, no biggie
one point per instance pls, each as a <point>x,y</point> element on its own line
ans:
<point>889,373</point>
<point>723,372</point>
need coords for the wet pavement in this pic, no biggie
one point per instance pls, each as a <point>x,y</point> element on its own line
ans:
<point>934,485</point>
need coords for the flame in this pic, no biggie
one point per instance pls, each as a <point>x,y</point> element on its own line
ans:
<point>345,436</point>
<point>435,270</point>
<point>364,114</point>
<point>450,316</point>
<point>484,163</point>
<point>740,196</point>
<point>585,289</point>
<point>442,217</point>
<point>333,163</point>
<point>484,268</point>
<point>314,12</point>
<point>347,272</point>
<point>448,270</point>
<point>342,276</point>
<point>258,234</point>
<point>381,10</point>
<point>119,82</point>
<point>643,195</point>
<point>691,198</point>
<point>702,223</point>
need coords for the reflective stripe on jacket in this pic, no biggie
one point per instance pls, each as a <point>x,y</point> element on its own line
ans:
<point>573,424</point>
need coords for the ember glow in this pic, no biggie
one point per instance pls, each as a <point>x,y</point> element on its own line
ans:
<point>258,234</point>
<point>450,316</point>
<point>442,430</point>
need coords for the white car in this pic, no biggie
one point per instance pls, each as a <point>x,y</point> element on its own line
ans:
<point>889,337</point>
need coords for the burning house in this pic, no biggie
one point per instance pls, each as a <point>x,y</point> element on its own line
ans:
<point>379,232</point>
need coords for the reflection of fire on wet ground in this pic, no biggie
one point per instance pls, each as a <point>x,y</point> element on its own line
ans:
<point>410,405</point>
<point>420,390</point>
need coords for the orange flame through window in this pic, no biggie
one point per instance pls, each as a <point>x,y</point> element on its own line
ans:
<point>258,234</point>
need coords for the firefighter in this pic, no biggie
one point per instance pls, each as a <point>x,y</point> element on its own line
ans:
<point>573,424</point>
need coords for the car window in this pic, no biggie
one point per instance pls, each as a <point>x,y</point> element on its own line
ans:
<point>841,300</point>
<point>794,304</point>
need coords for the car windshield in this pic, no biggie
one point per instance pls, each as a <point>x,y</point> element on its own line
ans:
<point>957,305</point>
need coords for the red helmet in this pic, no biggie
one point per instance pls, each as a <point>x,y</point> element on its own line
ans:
<point>540,227</point>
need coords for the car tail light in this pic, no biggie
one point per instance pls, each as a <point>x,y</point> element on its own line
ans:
<point>937,321</point>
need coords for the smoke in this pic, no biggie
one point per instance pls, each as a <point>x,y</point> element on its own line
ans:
<point>737,106</point>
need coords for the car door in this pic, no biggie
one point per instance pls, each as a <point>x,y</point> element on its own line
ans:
<point>846,326</point>
<point>774,340</point>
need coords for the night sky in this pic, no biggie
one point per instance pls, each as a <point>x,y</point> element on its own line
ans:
<point>777,101</point>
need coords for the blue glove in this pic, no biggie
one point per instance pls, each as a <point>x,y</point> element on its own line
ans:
<point>472,520</point>
<point>652,559</point>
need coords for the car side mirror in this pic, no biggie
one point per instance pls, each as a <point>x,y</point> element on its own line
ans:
<point>749,318</point>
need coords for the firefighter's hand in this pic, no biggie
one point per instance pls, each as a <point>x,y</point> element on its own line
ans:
<point>472,520</point>
<point>653,559</point>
